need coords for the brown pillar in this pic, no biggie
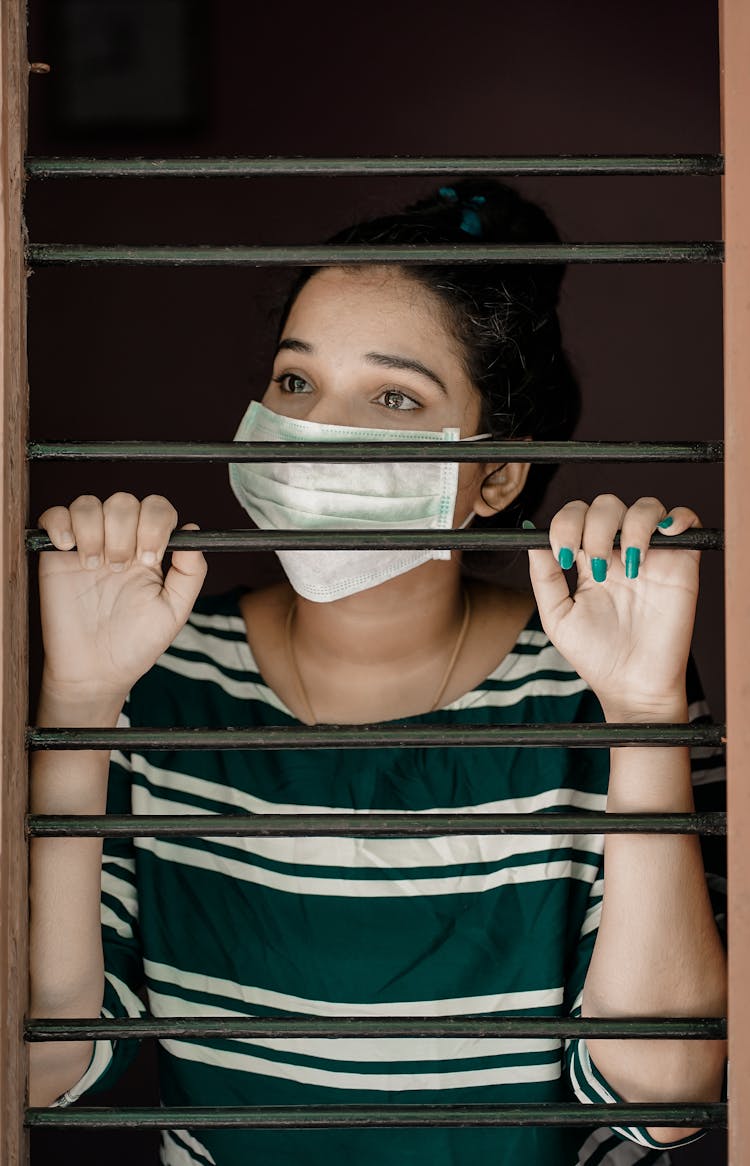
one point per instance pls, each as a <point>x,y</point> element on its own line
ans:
<point>734,17</point>
<point>13,669</point>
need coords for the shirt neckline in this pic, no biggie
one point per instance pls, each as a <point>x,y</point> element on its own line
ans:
<point>248,660</point>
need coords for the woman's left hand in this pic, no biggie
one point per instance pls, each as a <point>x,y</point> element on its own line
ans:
<point>628,638</point>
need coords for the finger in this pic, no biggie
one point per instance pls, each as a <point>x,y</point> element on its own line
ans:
<point>550,586</point>
<point>57,523</point>
<point>184,578</point>
<point>678,520</point>
<point>603,520</point>
<point>120,525</point>
<point>157,520</point>
<point>87,520</point>
<point>640,521</point>
<point>566,532</point>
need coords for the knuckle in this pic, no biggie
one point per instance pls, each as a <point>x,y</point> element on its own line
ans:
<point>52,516</point>
<point>85,502</point>
<point>120,500</point>
<point>160,504</point>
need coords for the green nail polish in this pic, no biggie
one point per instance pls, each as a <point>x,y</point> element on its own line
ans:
<point>527,524</point>
<point>565,558</point>
<point>632,562</point>
<point>599,570</point>
<point>665,522</point>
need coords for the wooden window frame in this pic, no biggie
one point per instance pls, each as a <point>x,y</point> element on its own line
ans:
<point>734,30</point>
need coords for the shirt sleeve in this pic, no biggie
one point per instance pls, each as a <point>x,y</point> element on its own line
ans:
<point>707,765</point>
<point>123,964</point>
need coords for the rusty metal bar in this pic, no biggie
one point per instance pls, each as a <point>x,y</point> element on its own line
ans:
<point>528,165</point>
<point>364,825</point>
<point>239,255</point>
<point>268,1027</point>
<point>705,539</point>
<point>376,736</point>
<point>377,451</point>
<point>283,1117</point>
<point>734,40</point>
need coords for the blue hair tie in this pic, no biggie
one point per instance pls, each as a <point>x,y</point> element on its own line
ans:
<point>470,221</point>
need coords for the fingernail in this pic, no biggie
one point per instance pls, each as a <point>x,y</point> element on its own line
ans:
<point>117,566</point>
<point>632,562</point>
<point>67,539</point>
<point>93,561</point>
<point>527,524</point>
<point>665,522</point>
<point>565,558</point>
<point>599,570</point>
<point>149,558</point>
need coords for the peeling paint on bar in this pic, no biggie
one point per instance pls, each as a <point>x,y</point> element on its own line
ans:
<point>375,736</point>
<point>365,825</point>
<point>468,540</point>
<point>130,1028</point>
<point>238,255</point>
<point>377,451</point>
<point>561,164</point>
<point>285,1117</point>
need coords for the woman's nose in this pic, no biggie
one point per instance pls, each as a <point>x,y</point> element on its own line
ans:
<point>333,409</point>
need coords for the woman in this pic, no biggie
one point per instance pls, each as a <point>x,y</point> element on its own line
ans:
<point>391,927</point>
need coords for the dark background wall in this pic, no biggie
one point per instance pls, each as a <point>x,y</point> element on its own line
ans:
<point>170,354</point>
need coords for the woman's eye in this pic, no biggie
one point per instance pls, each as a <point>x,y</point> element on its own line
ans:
<point>295,383</point>
<point>395,399</point>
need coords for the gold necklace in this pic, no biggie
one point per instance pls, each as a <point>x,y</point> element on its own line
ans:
<point>443,683</point>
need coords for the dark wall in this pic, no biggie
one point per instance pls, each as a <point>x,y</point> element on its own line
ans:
<point>176,355</point>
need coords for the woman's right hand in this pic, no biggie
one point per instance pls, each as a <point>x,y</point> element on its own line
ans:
<point>108,612</point>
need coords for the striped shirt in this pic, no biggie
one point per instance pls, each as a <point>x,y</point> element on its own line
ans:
<point>483,925</point>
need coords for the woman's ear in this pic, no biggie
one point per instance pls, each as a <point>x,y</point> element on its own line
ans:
<point>500,486</point>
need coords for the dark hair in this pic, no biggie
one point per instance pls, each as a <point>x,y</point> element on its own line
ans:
<point>503,315</point>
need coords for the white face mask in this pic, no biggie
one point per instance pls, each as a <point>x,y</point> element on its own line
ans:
<point>344,496</point>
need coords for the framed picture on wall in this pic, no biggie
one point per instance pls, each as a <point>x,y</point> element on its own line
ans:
<point>128,67</point>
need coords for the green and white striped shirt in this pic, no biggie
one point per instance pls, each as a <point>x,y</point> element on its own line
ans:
<point>332,927</point>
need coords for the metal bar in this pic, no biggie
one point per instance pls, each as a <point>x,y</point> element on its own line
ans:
<point>364,825</point>
<point>523,165</point>
<point>238,255</point>
<point>280,1027</point>
<point>286,1117</point>
<point>374,736</point>
<point>734,43</point>
<point>462,540</point>
<point>377,451</point>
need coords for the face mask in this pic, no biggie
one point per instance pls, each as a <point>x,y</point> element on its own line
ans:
<point>344,496</point>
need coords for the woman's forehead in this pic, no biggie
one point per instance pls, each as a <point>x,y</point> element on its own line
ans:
<point>369,298</point>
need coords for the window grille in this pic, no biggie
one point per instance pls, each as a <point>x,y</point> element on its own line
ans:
<point>735,165</point>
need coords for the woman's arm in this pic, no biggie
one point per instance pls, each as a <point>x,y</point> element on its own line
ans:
<point>65,952</point>
<point>626,629</point>
<point>657,951</point>
<point>108,613</point>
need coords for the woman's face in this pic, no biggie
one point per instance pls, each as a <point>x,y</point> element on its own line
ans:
<point>369,348</point>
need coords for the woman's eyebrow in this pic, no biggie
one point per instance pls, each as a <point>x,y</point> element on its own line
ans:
<point>295,345</point>
<point>389,360</point>
<point>384,359</point>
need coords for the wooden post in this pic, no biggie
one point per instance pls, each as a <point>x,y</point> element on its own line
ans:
<point>13,601</point>
<point>734,30</point>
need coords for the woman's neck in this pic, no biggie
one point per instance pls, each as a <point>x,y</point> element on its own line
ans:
<point>399,623</point>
